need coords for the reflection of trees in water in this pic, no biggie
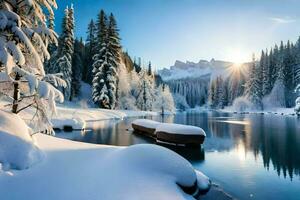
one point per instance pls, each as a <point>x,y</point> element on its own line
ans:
<point>277,139</point>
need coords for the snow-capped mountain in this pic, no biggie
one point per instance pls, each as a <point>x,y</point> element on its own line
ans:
<point>182,70</point>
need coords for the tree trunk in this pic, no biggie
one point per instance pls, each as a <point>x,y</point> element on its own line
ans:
<point>16,95</point>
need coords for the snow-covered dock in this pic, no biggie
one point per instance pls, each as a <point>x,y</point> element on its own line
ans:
<point>169,133</point>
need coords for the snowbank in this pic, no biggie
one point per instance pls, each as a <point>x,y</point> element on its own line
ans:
<point>78,171</point>
<point>17,149</point>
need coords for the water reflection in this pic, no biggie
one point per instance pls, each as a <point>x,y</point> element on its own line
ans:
<point>276,139</point>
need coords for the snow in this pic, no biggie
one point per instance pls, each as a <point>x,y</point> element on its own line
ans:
<point>180,129</point>
<point>74,170</point>
<point>17,148</point>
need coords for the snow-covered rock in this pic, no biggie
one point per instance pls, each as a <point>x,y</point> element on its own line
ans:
<point>180,134</point>
<point>68,124</point>
<point>74,170</point>
<point>17,149</point>
<point>145,126</point>
<point>180,129</point>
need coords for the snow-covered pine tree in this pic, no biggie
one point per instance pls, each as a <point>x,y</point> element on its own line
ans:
<point>24,37</point>
<point>225,93</point>
<point>164,100</point>
<point>264,65</point>
<point>100,65</point>
<point>125,99</point>
<point>90,51</point>
<point>137,65</point>
<point>297,63</point>
<point>114,59</point>
<point>62,63</point>
<point>107,60</point>
<point>149,71</point>
<point>277,95</point>
<point>146,95</point>
<point>253,86</point>
<point>212,98</point>
<point>219,92</point>
<point>77,66</point>
<point>288,63</point>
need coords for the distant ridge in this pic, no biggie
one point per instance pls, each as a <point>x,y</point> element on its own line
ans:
<point>183,70</point>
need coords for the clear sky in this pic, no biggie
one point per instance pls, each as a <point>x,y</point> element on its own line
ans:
<point>167,30</point>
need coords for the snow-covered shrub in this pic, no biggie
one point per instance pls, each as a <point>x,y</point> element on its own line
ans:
<point>164,99</point>
<point>242,104</point>
<point>125,100</point>
<point>180,101</point>
<point>277,96</point>
<point>17,149</point>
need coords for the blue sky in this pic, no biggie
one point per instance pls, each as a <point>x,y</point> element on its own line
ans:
<point>167,30</point>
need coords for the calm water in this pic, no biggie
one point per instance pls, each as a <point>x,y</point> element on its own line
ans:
<point>250,156</point>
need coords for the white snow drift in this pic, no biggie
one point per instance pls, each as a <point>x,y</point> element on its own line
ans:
<point>78,171</point>
<point>17,149</point>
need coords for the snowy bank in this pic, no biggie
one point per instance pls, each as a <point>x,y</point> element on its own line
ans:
<point>17,149</point>
<point>74,170</point>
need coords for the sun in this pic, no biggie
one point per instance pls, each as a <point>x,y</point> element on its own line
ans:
<point>237,55</point>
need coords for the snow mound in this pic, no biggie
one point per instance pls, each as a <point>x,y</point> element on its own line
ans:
<point>68,124</point>
<point>17,149</point>
<point>161,165</point>
<point>180,129</point>
<point>75,170</point>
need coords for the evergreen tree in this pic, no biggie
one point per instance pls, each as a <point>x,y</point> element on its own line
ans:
<point>106,61</point>
<point>149,71</point>
<point>77,67</point>
<point>253,85</point>
<point>100,64</point>
<point>297,63</point>
<point>288,63</point>
<point>146,95</point>
<point>212,94</point>
<point>137,65</point>
<point>24,39</point>
<point>90,51</point>
<point>164,100</point>
<point>62,59</point>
